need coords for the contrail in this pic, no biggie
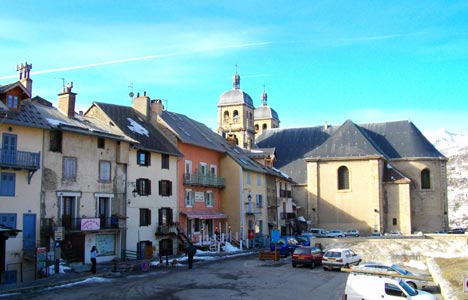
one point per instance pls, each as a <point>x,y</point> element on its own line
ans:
<point>132,59</point>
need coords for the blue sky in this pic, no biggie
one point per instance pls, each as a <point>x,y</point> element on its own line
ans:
<point>320,61</point>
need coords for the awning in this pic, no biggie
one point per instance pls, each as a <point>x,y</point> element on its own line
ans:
<point>204,215</point>
<point>6,232</point>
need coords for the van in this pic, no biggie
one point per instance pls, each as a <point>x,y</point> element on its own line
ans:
<point>374,287</point>
<point>318,232</point>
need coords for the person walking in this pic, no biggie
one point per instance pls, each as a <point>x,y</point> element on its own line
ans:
<point>191,250</point>
<point>94,254</point>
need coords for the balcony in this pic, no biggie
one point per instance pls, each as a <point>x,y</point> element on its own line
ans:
<point>253,208</point>
<point>166,230</point>
<point>285,194</point>
<point>287,216</point>
<point>197,179</point>
<point>20,160</point>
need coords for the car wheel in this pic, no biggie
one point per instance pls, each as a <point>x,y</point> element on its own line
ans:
<point>346,266</point>
<point>294,265</point>
<point>312,264</point>
<point>412,284</point>
<point>325,268</point>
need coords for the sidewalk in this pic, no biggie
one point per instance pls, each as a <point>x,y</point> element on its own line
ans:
<point>77,273</point>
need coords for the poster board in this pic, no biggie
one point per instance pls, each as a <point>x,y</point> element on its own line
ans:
<point>105,244</point>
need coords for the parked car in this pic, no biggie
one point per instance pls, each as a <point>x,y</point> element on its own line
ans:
<point>307,255</point>
<point>365,286</point>
<point>376,234</point>
<point>395,269</point>
<point>352,232</point>
<point>285,245</point>
<point>394,233</point>
<point>338,258</point>
<point>457,231</point>
<point>318,232</point>
<point>335,234</point>
<point>303,240</point>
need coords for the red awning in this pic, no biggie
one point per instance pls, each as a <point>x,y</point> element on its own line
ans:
<point>204,215</point>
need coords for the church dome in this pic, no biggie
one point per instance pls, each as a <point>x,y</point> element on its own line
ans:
<point>235,96</point>
<point>265,112</point>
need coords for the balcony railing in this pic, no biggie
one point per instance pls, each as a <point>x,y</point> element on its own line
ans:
<point>166,229</point>
<point>252,208</point>
<point>287,216</point>
<point>203,180</point>
<point>285,193</point>
<point>20,159</point>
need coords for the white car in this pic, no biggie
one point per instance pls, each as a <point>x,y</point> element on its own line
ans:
<point>365,286</point>
<point>338,258</point>
<point>352,232</point>
<point>395,269</point>
<point>335,234</point>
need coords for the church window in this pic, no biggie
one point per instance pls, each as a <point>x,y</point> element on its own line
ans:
<point>256,128</point>
<point>343,178</point>
<point>264,126</point>
<point>425,179</point>
<point>235,116</point>
<point>226,117</point>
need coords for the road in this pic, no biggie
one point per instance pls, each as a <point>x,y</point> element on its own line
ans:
<point>242,277</point>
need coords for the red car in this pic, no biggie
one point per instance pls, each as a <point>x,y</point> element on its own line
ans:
<point>307,255</point>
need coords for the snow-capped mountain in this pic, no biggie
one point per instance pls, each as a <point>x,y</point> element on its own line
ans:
<point>455,147</point>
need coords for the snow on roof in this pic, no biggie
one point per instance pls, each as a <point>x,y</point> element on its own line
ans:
<point>135,127</point>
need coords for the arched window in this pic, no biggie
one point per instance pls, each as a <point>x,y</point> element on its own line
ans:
<point>343,178</point>
<point>235,116</point>
<point>226,117</point>
<point>256,128</point>
<point>425,179</point>
<point>264,126</point>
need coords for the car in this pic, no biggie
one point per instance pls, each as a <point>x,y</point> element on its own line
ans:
<point>395,269</point>
<point>457,231</point>
<point>338,258</point>
<point>366,286</point>
<point>285,245</point>
<point>394,233</point>
<point>352,232</point>
<point>307,255</point>
<point>335,234</point>
<point>318,232</point>
<point>303,240</point>
<point>376,234</point>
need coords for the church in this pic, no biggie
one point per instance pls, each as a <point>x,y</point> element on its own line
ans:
<point>376,177</point>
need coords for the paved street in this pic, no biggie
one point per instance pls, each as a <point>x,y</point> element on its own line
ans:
<point>234,278</point>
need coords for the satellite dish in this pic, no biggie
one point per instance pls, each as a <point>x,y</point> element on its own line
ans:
<point>131,94</point>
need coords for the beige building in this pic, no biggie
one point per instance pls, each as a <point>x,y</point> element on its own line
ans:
<point>372,177</point>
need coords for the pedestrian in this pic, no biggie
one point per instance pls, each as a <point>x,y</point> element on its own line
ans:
<point>94,254</point>
<point>191,250</point>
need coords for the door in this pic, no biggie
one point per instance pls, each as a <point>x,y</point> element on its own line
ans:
<point>67,213</point>
<point>104,212</point>
<point>9,148</point>
<point>29,231</point>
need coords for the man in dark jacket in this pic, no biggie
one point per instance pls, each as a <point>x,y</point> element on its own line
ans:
<point>191,250</point>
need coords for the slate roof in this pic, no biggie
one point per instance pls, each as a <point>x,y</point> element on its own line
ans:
<point>134,125</point>
<point>192,132</point>
<point>235,97</point>
<point>265,112</point>
<point>28,115</point>
<point>390,140</point>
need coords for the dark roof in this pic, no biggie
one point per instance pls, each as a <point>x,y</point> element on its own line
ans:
<point>28,115</point>
<point>235,97</point>
<point>391,140</point>
<point>192,132</point>
<point>292,145</point>
<point>134,125</point>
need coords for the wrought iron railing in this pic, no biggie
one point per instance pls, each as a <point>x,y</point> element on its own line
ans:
<point>203,180</point>
<point>20,159</point>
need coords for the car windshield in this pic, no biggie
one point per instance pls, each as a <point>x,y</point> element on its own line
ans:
<point>301,239</point>
<point>399,270</point>
<point>409,290</point>
<point>301,251</point>
<point>333,254</point>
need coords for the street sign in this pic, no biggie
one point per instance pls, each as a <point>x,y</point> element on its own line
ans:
<point>465,284</point>
<point>58,233</point>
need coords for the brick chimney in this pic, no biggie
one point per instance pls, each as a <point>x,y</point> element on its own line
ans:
<point>142,104</point>
<point>156,109</point>
<point>24,79</point>
<point>66,101</point>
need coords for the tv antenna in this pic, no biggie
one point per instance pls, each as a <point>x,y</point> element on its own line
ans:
<point>131,94</point>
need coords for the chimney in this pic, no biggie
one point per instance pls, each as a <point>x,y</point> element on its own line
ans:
<point>66,101</point>
<point>142,104</point>
<point>156,109</point>
<point>24,79</point>
<point>325,127</point>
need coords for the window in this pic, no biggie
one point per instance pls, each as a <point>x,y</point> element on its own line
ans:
<point>249,178</point>
<point>165,188</point>
<point>55,143</point>
<point>101,144</point>
<point>143,186</point>
<point>209,198</point>
<point>189,198</point>
<point>7,184</point>
<point>8,154</point>
<point>145,217</point>
<point>394,221</point>
<point>393,290</point>
<point>425,179</point>
<point>8,220</point>
<point>259,201</point>
<point>165,216</point>
<point>235,116</point>
<point>69,168</point>
<point>259,179</point>
<point>12,101</point>
<point>164,161</point>
<point>105,211</point>
<point>203,169</point>
<point>343,178</point>
<point>213,170</point>
<point>104,171</point>
<point>143,158</point>
<point>226,117</point>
